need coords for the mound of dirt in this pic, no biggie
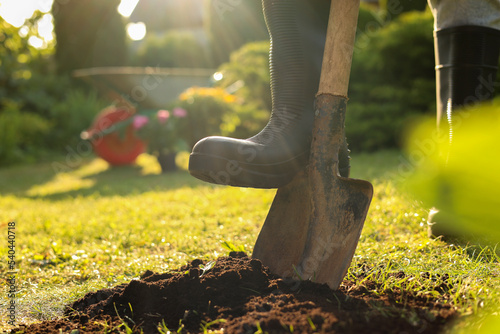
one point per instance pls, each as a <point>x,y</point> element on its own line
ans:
<point>239,295</point>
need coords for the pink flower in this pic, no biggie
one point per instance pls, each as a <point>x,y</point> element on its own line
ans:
<point>162,116</point>
<point>139,121</point>
<point>179,112</point>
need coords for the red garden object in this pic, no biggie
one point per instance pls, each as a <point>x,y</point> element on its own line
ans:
<point>115,148</point>
<point>133,89</point>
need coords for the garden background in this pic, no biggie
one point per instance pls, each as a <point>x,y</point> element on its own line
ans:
<point>44,109</point>
<point>84,225</point>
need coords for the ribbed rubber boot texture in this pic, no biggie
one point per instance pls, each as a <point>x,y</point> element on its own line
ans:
<point>467,64</point>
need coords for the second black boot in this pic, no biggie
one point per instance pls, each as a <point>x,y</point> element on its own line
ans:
<point>466,70</point>
<point>271,158</point>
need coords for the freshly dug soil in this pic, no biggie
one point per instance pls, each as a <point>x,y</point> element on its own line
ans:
<point>239,295</point>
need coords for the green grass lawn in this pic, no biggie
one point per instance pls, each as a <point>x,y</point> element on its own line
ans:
<point>94,227</point>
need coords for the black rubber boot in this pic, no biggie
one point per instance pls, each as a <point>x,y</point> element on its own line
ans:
<point>271,158</point>
<point>466,70</point>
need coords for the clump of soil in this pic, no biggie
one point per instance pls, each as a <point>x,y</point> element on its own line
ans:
<point>239,295</point>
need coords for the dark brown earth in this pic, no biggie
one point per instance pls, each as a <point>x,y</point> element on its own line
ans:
<point>249,298</point>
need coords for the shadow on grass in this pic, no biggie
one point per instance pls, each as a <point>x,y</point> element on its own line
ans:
<point>92,177</point>
<point>383,165</point>
<point>16,180</point>
<point>125,181</point>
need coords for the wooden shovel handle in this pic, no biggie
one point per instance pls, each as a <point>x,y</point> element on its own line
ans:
<point>339,47</point>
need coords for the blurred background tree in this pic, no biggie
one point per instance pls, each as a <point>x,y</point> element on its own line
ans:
<point>392,81</point>
<point>163,15</point>
<point>20,125</point>
<point>218,26</point>
<point>89,33</point>
<point>247,74</point>
<point>393,8</point>
<point>231,24</point>
<point>41,112</point>
<point>172,49</point>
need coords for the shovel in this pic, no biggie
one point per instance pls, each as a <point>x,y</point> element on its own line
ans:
<point>315,222</point>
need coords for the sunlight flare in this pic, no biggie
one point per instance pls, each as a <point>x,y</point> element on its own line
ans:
<point>136,31</point>
<point>126,7</point>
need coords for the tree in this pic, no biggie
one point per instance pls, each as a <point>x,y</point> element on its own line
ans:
<point>88,33</point>
<point>392,81</point>
<point>250,66</point>
<point>394,8</point>
<point>162,15</point>
<point>21,126</point>
<point>173,49</point>
<point>231,24</point>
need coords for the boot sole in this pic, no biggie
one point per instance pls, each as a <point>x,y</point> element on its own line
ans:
<point>219,170</point>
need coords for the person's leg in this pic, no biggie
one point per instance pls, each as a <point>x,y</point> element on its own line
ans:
<point>467,44</point>
<point>455,13</point>
<point>271,158</point>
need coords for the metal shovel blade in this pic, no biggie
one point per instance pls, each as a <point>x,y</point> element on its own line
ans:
<point>340,235</point>
<point>339,204</point>
<point>283,236</point>
<point>317,245</point>
<point>334,230</point>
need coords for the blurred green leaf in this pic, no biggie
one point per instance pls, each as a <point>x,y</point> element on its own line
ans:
<point>461,179</point>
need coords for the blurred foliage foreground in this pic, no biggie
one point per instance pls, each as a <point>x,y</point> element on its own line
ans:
<point>461,178</point>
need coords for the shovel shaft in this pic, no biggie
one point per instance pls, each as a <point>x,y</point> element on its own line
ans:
<point>339,47</point>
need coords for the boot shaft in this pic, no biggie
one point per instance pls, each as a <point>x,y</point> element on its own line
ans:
<point>297,29</point>
<point>466,67</point>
